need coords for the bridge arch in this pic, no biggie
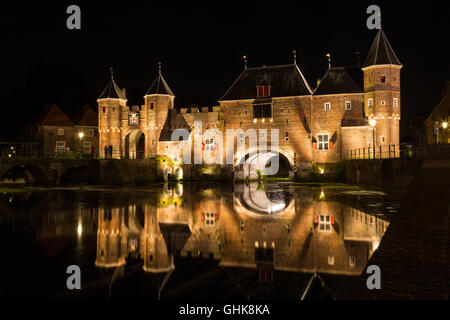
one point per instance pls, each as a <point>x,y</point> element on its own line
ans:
<point>27,173</point>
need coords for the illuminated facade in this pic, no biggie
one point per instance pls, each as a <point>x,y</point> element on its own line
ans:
<point>319,125</point>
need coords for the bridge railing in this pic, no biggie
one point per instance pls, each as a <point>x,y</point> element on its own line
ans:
<point>399,151</point>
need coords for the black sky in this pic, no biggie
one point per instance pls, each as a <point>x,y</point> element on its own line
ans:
<point>201,45</point>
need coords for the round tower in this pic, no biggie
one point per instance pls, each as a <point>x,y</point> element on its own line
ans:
<point>110,105</point>
<point>159,100</point>
<point>382,92</point>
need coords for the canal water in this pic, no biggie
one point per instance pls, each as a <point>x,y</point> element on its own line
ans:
<point>275,240</point>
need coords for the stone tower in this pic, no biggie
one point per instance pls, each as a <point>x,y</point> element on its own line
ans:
<point>110,105</point>
<point>159,100</point>
<point>382,91</point>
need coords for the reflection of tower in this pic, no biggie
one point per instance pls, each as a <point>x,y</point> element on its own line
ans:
<point>154,248</point>
<point>110,104</point>
<point>382,90</point>
<point>159,100</point>
<point>111,238</point>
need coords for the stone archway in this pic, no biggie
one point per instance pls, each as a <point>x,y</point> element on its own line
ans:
<point>252,165</point>
<point>134,145</point>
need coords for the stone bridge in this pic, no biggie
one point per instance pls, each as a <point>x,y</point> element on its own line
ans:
<point>59,171</point>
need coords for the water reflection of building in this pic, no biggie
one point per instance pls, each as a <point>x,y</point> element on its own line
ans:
<point>250,228</point>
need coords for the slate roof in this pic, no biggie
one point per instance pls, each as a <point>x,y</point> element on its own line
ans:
<point>381,52</point>
<point>284,80</point>
<point>54,116</point>
<point>159,86</point>
<point>341,80</point>
<point>112,91</point>
<point>88,118</point>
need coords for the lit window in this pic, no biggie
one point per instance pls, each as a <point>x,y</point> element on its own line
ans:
<point>87,147</point>
<point>209,144</point>
<point>352,261</point>
<point>331,260</point>
<point>209,219</point>
<point>395,102</point>
<point>323,141</point>
<point>60,132</point>
<point>348,105</point>
<point>263,91</point>
<point>324,223</point>
<point>262,110</point>
<point>327,106</point>
<point>60,146</point>
<point>370,103</point>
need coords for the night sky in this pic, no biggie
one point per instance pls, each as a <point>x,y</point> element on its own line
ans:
<point>200,45</point>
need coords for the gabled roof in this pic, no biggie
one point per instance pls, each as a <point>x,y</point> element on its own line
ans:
<point>284,80</point>
<point>88,118</point>
<point>54,116</point>
<point>381,52</point>
<point>112,91</point>
<point>341,80</point>
<point>159,86</point>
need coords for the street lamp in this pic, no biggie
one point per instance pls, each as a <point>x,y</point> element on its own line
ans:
<point>372,123</point>
<point>445,124</point>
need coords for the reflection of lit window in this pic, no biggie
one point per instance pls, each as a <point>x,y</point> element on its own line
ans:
<point>209,219</point>
<point>331,260</point>
<point>324,223</point>
<point>352,261</point>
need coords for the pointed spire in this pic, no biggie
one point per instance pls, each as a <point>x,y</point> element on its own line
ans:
<point>381,52</point>
<point>295,56</point>
<point>245,62</point>
<point>328,55</point>
<point>159,86</point>
<point>112,90</point>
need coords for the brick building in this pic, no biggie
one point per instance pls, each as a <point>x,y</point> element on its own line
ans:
<point>57,133</point>
<point>435,127</point>
<point>319,125</point>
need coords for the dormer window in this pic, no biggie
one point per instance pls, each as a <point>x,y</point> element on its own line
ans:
<point>263,91</point>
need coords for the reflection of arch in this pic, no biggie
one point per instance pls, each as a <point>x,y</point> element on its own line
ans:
<point>261,160</point>
<point>179,173</point>
<point>134,145</point>
<point>255,200</point>
<point>77,174</point>
<point>29,174</point>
